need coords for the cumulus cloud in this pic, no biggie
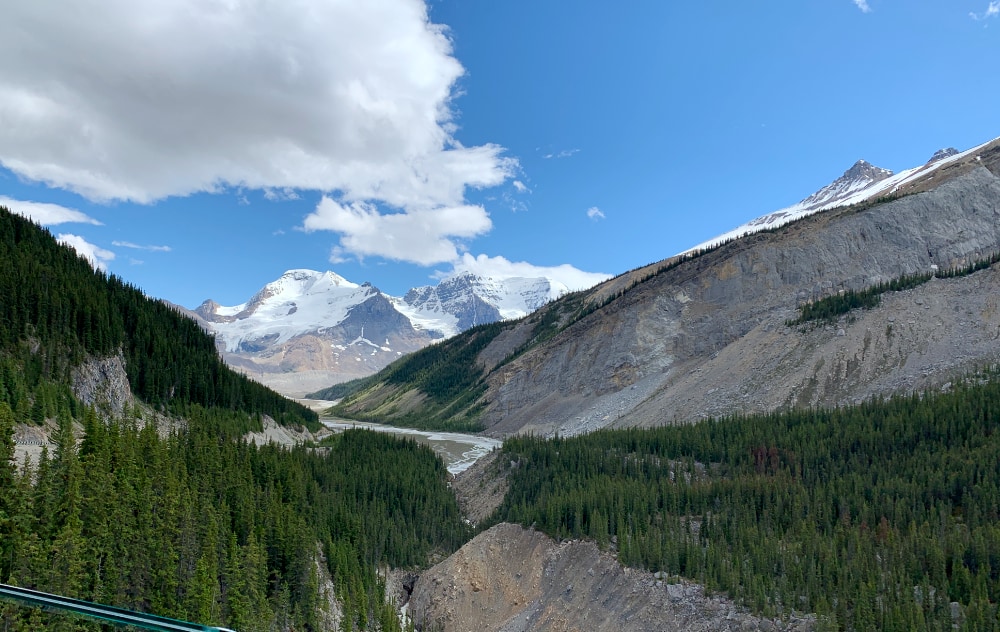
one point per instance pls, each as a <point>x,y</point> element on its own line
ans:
<point>992,11</point>
<point>129,244</point>
<point>521,187</point>
<point>595,213</point>
<point>47,214</point>
<point>500,267</point>
<point>97,256</point>
<point>424,236</point>
<point>144,100</point>
<point>863,5</point>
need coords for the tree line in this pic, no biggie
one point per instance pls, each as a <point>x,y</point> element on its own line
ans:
<point>445,372</point>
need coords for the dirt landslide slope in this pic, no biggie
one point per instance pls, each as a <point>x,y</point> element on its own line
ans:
<point>511,579</point>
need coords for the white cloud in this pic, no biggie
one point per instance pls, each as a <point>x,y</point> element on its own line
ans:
<point>47,214</point>
<point>500,267</point>
<point>98,257</point>
<point>992,11</point>
<point>565,153</point>
<point>280,195</point>
<point>124,100</point>
<point>863,5</point>
<point>129,244</point>
<point>521,187</point>
<point>595,213</point>
<point>423,236</point>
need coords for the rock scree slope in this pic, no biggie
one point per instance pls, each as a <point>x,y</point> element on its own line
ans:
<point>511,579</point>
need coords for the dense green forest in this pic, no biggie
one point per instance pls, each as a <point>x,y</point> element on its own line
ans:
<point>877,516</point>
<point>204,527</point>
<point>196,523</point>
<point>56,310</point>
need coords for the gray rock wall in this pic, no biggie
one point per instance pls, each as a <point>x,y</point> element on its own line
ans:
<point>103,383</point>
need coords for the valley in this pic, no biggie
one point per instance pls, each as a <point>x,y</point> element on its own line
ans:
<point>679,447</point>
<point>451,316</point>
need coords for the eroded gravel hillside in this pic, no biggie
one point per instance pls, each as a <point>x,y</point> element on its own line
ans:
<point>511,579</point>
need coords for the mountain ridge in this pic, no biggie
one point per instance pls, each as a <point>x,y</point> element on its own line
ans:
<point>703,333</point>
<point>862,182</point>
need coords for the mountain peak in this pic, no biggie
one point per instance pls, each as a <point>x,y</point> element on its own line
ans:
<point>300,274</point>
<point>941,154</point>
<point>304,275</point>
<point>861,175</point>
<point>319,323</point>
<point>208,306</point>
<point>209,310</point>
<point>864,170</point>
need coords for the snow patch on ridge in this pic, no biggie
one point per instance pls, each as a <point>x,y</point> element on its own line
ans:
<point>861,183</point>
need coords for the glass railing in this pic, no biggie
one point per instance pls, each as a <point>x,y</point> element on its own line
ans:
<point>118,616</point>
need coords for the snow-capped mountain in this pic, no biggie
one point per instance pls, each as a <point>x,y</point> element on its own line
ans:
<point>467,300</point>
<point>861,183</point>
<point>298,302</point>
<point>309,329</point>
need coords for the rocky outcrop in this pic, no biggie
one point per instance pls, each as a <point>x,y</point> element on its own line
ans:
<point>273,433</point>
<point>510,579</point>
<point>861,174</point>
<point>941,154</point>
<point>331,612</point>
<point>103,384</point>
<point>481,488</point>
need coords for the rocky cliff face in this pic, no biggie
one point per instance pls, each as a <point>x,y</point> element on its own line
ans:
<point>103,384</point>
<point>510,579</point>
<point>707,337</point>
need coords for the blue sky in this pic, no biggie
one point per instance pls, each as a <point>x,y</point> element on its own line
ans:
<point>199,148</point>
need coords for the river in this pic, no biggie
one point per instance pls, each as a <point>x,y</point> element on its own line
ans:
<point>459,451</point>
